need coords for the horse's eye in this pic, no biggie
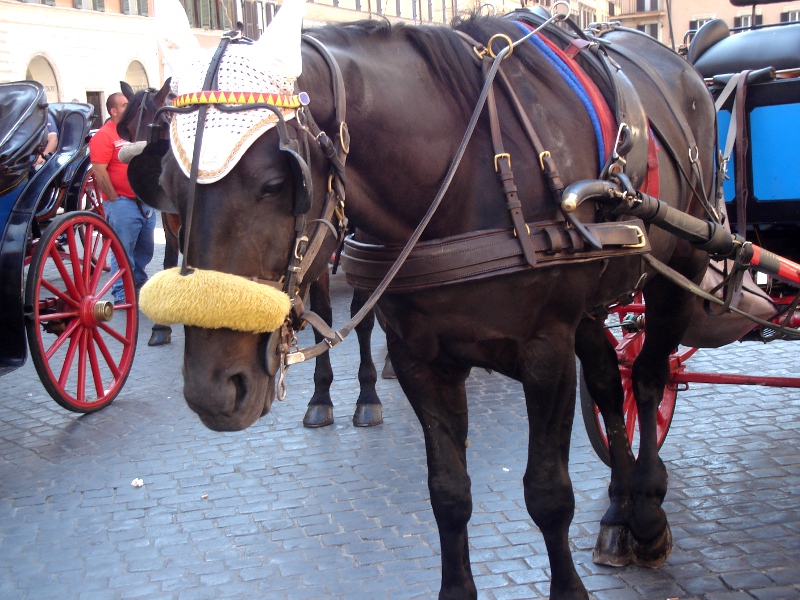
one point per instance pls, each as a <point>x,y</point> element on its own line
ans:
<point>270,188</point>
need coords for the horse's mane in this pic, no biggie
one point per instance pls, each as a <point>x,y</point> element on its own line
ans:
<point>451,60</point>
<point>132,111</point>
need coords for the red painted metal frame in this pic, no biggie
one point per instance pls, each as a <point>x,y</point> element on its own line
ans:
<point>679,374</point>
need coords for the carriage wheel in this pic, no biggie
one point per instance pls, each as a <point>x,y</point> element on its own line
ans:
<point>82,345</point>
<point>628,348</point>
<point>90,197</point>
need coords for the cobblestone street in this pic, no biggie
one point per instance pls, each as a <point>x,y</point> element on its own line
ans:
<point>282,512</point>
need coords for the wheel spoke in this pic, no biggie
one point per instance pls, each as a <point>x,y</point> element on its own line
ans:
<point>111,280</point>
<point>60,316</point>
<point>73,346</point>
<point>98,267</point>
<point>112,364</point>
<point>62,270</point>
<point>96,374</point>
<point>59,293</point>
<point>83,336</point>
<point>631,414</point>
<point>77,270</point>
<point>87,229</point>
<point>67,333</point>
<point>115,334</point>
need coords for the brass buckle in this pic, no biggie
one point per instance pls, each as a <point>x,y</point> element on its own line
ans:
<point>640,234</point>
<point>497,157</point>
<point>542,156</point>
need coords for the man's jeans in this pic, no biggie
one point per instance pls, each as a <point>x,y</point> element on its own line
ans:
<point>135,231</point>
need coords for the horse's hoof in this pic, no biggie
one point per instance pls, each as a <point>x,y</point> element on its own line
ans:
<point>655,553</point>
<point>367,415</point>
<point>613,546</point>
<point>388,370</point>
<point>161,335</point>
<point>318,415</point>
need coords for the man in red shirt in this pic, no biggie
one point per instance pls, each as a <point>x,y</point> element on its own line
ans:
<point>132,221</point>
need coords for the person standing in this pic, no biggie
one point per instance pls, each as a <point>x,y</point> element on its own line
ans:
<point>132,221</point>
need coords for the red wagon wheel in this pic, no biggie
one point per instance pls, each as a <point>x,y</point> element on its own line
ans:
<point>90,197</point>
<point>628,345</point>
<point>82,345</point>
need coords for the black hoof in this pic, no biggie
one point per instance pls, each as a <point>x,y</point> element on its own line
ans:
<point>613,547</point>
<point>318,415</point>
<point>367,415</point>
<point>655,553</point>
<point>388,370</point>
<point>161,335</point>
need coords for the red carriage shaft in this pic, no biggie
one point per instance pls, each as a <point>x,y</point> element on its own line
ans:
<point>772,264</point>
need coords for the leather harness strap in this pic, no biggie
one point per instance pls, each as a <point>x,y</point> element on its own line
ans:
<point>488,253</point>
<point>502,165</point>
<point>742,146</point>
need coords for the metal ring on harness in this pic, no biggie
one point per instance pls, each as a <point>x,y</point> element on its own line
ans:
<point>501,36</point>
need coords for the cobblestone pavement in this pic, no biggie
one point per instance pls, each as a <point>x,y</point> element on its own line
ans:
<point>282,512</point>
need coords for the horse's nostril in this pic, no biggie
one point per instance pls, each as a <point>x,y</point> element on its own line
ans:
<point>240,384</point>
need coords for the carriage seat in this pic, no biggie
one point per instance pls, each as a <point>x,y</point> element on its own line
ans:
<point>72,120</point>
<point>709,34</point>
<point>777,47</point>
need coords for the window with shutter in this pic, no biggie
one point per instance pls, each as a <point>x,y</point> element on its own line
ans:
<point>142,5</point>
<point>646,5</point>
<point>99,5</point>
<point>205,14</point>
<point>124,7</point>
<point>650,29</point>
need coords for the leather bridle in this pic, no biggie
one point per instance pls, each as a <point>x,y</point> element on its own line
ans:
<point>332,219</point>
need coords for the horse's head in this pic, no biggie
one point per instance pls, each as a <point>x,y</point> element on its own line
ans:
<point>244,194</point>
<point>141,110</point>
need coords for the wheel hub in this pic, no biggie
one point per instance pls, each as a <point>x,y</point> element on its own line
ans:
<point>93,311</point>
<point>104,311</point>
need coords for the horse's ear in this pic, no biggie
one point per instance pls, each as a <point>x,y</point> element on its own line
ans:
<point>127,90</point>
<point>161,95</point>
<point>174,35</point>
<point>144,171</point>
<point>279,45</point>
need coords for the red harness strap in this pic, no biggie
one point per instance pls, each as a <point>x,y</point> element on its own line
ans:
<point>608,124</point>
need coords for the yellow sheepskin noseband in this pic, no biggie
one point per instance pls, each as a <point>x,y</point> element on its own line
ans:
<point>213,300</point>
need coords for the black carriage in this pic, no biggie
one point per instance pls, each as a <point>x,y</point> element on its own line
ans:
<point>754,76</point>
<point>56,253</point>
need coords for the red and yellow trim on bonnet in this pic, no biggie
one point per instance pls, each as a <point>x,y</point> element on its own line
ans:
<point>221,97</point>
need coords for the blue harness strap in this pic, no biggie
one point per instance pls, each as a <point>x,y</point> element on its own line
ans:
<point>575,85</point>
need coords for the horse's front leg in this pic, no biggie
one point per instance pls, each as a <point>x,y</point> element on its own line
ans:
<point>548,377</point>
<point>438,397</point>
<point>171,223</point>
<point>369,410</point>
<point>320,408</point>
<point>601,373</point>
<point>668,310</point>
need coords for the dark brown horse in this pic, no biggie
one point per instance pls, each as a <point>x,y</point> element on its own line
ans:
<point>133,126</point>
<point>410,92</point>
